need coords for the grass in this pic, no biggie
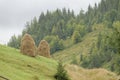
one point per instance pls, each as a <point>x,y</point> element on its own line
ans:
<point>16,66</point>
<point>78,73</point>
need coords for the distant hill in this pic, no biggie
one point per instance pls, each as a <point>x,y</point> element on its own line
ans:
<point>76,50</point>
<point>92,52</point>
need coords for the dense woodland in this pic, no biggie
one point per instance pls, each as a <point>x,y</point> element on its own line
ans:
<point>62,24</point>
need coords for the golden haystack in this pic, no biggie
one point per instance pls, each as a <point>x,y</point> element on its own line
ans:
<point>28,45</point>
<point>44,49</point>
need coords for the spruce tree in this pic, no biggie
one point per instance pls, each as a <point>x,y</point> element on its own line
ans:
<point>61,73</point>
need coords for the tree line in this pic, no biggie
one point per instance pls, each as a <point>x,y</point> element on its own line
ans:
<point>55,27</point>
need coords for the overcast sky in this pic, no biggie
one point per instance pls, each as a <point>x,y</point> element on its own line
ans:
<point>15,13</point>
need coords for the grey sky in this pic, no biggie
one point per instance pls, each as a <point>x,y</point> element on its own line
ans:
<point>15,13</point>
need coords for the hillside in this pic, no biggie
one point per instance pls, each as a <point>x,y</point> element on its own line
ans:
<point>15,66</point>
<point>76,50</point>
<point>87,47</point>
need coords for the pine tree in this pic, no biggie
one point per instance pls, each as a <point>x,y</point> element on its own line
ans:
<point>61,73</point>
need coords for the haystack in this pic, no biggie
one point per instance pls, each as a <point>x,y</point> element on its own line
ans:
<point>44,49</point>
<point>28,45</point>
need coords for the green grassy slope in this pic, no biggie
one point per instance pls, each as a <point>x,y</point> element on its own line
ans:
<point>15,66</point>
<point>76,50</point>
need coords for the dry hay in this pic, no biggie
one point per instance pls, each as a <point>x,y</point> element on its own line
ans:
<point>78,73</point>
<point>44,49</point>
<point>28,45</point>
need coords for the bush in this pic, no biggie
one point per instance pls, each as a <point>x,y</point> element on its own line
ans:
<point>61,73</point>
<point>76,37</point>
